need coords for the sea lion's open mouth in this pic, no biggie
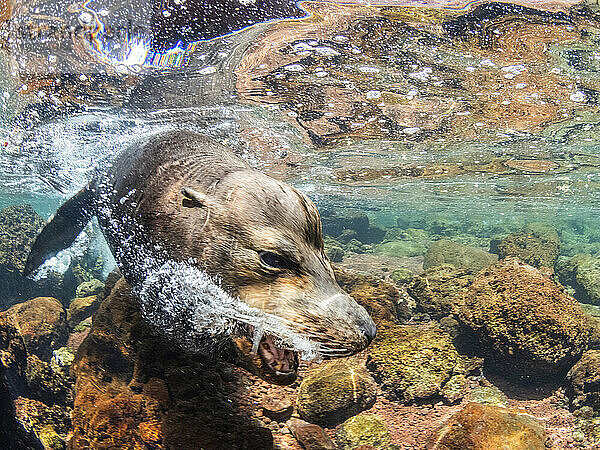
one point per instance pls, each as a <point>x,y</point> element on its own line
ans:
<point>267,359</point>
<point>282,362</point>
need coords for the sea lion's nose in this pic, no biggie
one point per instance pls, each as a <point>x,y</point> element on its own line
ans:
<point>369,331</point>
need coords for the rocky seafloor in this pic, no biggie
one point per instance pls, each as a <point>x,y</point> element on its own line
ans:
<point>490,345</point>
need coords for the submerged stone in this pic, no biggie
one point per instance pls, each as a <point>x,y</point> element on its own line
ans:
<point>381,299</point>
<point>482,427</point>
<point>536,244</point>
<point>335,391</point>
<point>584,381</point>
<point>458,255</point>
<point>366,429</point>
<point>19,226</point>
<point>41,323</point>
<point>133,386</point>
<point>310,435</point>
<point>526,323</point>
<point>88,288</point>
<point>582,273</point>
<point>413,363</point>
<point>81,308</point>
<point>439,290</point>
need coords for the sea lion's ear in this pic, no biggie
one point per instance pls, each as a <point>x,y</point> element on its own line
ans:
<point>194,199</point>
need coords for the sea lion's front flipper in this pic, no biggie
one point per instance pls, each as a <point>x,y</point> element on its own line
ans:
<point>62,229</point>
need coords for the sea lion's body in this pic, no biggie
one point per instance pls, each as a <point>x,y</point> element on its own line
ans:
<point>179,196</point>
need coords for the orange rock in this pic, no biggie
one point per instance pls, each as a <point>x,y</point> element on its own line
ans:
<point>135,390</point>
<point>485,427</point>
<point>42,324</point>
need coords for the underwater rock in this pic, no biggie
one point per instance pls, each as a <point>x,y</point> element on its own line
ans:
<point>528,325</point>
<point>19,226</point>
<point>458,255</point>
<point>439,290</point>
<point>81,308</point>
<point>310,436</point>
<point>61,361</point>
<point>401,248</point>
<point>584,381</point>
<point>366,429</point>
<point>582,273</point>
<point>488,395</point>
<point>45,384</point>
<point>134,388</point>
<point>335,391</point>
<point>335,253</point>
<point>413,363</point>
<point>87,288</point>
<point>455,389</point>
<point>279,410</point>
<point>401,276</point>
<point>41,323</point>
<point>49,424</point>
<point>88,267</point>
<point>481,427</point>
<point>536,244</point>
<point>354,226</point>
<point>382,300</point>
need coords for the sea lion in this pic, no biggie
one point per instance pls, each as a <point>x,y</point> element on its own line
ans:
<point>180,198</point>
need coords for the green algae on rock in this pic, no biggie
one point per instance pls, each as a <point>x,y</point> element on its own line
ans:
<point>335,391</point>
<point>81,308</point>
<point>458,255</point>
<point>483,427</point>
<point>526,323</point>
<point>413,363</point>
<point>366,429</point>
<point>439,290</point>
<point>537,244</point>
<point>488,395</point>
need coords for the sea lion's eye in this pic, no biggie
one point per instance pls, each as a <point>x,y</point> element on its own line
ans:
<point>275,261</point>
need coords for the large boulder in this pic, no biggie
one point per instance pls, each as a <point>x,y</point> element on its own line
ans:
<point>461,256</point>
<point>584,381</point>
<point>335,391</point>
<point>439,290</point>
<point>364,430</point>
<point>136,390</point>
<point>41,323</point>
<point>536,244</point>
<point>413,363</point>
<point>483,427</point>
<point>526,323</point>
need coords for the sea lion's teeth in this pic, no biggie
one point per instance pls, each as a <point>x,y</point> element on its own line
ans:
<point>258,335</point>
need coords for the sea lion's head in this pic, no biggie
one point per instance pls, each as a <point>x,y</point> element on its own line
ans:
<point>263,239</point>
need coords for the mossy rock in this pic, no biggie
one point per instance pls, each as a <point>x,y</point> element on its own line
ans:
<point>334,391</point>
<point>439,290</point>
<point>536,244</point>
<point>401,276</point>
<point>366,429</point>
<point>413,363</point>
<point>488,395</point>
<point>458,255</point>
<point>19,226</point>
<point>584,381</point>
<point>381,299</point>
<point>401,249</point>
<point>45,384</point>
<point>335,253</point>
<point>87,288</point>
<point>527,325</point>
